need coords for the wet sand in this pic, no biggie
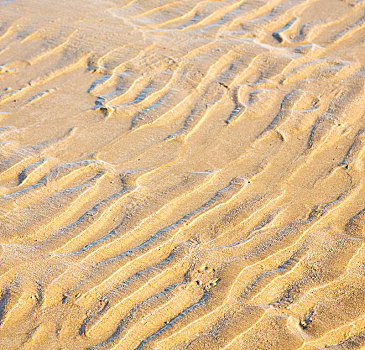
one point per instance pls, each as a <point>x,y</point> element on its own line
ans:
<point>182,174</point>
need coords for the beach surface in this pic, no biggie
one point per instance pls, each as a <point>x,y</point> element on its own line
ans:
<point>182,174</point>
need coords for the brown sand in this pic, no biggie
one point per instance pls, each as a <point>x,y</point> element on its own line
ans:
<point>182,174</point>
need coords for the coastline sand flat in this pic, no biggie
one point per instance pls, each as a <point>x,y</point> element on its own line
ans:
<point>182,174</point>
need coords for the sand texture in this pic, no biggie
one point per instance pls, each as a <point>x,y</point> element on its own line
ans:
<point>182,174</point>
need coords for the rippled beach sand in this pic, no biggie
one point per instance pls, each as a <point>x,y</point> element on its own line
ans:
<point>182,174</point>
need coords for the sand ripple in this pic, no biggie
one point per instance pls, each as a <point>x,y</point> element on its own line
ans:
<point>182,174</point>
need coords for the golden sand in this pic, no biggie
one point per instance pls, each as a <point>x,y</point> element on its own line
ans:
<point>182,174</point>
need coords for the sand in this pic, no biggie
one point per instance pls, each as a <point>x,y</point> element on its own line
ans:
<point>182,174</point>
